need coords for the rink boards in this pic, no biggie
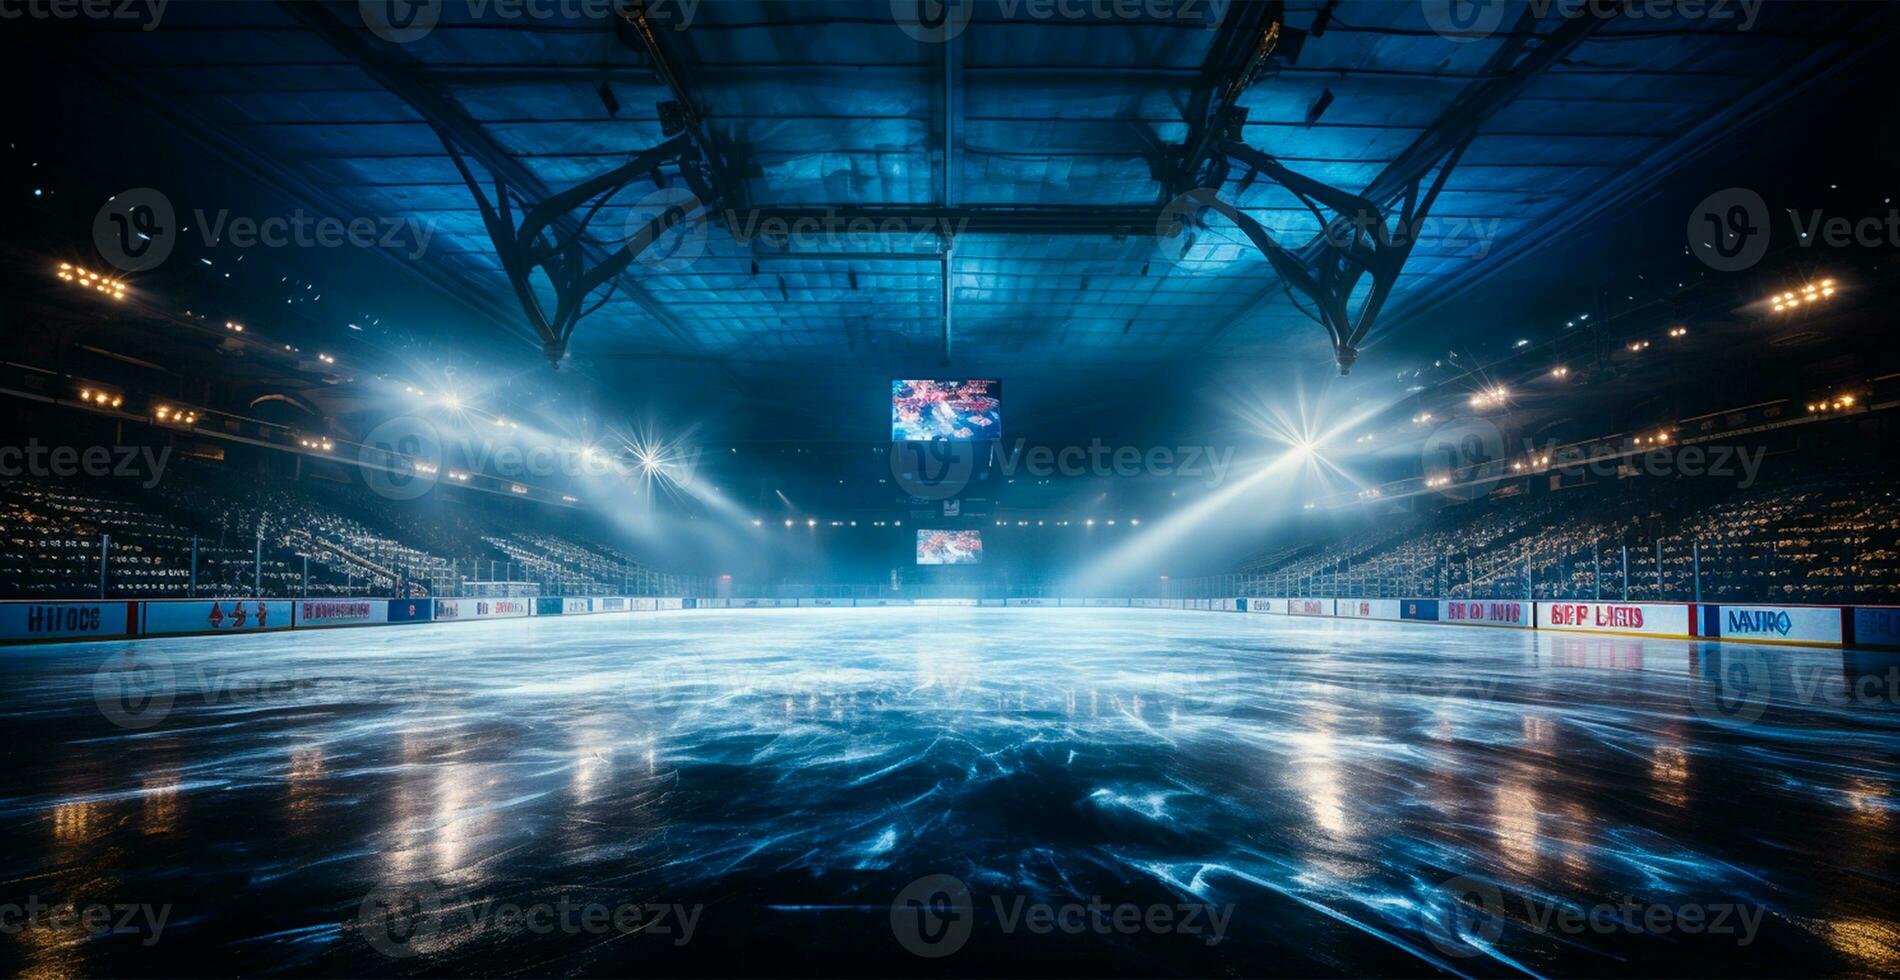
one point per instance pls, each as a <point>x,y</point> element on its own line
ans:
<point>1828,626</point>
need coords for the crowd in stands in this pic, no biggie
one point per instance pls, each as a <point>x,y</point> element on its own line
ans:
<point>200,533</point>
<point>1813,538</point>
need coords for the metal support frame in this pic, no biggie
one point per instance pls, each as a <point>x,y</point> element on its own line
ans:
<point>1327,268</point>
<point>562,255</point>
<point>948,299</point>
<point>685,111</point>
<point>1329,278</point>
<point>401,77</point>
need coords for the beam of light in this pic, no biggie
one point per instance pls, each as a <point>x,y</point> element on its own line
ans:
<point>1296,456</point>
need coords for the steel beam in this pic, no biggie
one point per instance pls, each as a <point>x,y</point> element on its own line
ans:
<point>906,219</point>
<point>398,76</point>
<point>1460,122</point>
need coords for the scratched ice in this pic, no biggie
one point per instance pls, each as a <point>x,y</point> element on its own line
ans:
<point>1352,797</point>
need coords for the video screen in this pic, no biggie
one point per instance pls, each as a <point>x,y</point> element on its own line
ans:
<point>949,547</point>
<point>955,411</point>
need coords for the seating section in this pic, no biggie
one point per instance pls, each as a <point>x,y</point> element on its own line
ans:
<point>1813,539</point>
<point>291,539</point>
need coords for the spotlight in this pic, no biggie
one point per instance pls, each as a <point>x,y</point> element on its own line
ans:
<point>1560,372</point>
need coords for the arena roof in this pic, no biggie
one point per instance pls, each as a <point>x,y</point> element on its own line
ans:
<point>1054,139</point>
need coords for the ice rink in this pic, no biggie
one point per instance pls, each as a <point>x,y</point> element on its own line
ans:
<point>762,786</point>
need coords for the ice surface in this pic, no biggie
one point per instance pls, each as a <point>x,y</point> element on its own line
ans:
<point>1349,793</point>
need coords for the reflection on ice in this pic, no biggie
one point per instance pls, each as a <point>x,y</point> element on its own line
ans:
<point>793,770</point>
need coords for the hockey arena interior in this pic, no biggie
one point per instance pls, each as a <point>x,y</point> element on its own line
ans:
<point>950,488</point>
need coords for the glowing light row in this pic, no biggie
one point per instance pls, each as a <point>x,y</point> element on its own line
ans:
<point>105,398</point>
<point>87,279</point>
<point>1838,404</point>
<point>1490,397</point>
<point>321,445</point>
<point>1810,293</point>
<point>175,416</point>
<point>813,522</point>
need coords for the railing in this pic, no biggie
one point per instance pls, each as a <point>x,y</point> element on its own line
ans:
<point>1794,568</point>
<point>298,564</point>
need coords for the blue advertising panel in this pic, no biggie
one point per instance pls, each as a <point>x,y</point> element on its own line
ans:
<point>1876,626</point>
<point>411,610</point>
<point>1425,610</point>
<point>67,620</point>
